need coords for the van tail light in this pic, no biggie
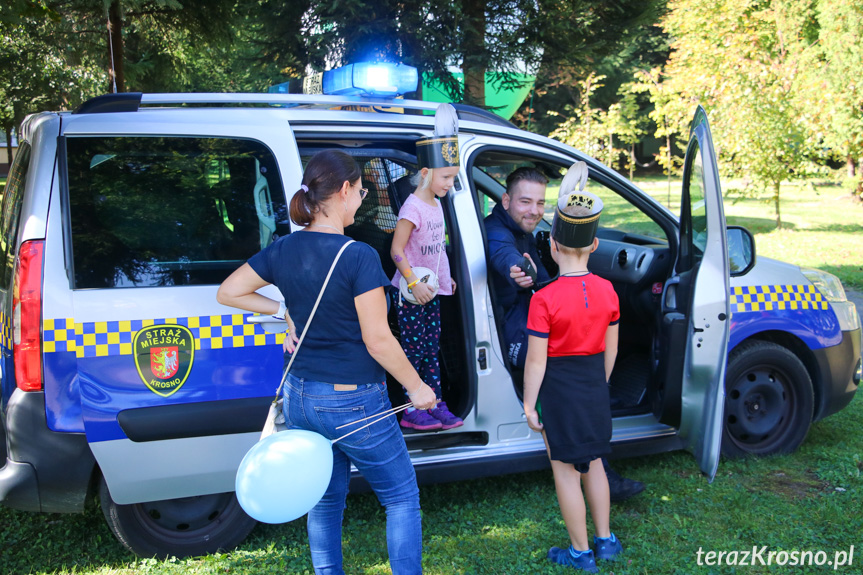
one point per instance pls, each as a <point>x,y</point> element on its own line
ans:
<point>27,317</point>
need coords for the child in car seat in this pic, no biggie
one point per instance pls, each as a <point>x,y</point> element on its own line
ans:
<point>419,252</point>
<point>572,344</point>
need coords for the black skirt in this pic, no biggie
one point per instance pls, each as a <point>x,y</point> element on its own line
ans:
<point>576,414</point>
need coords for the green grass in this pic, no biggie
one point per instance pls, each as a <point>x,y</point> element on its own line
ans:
<point>822,226</point>
<point>809,500</point>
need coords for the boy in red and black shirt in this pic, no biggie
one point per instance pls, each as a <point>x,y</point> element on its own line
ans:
<point>572,344</point>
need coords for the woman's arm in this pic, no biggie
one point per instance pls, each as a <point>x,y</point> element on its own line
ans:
<point>383,347</point>
<point>240,291</point>
<point>611,335</point>
<point>534,372</point>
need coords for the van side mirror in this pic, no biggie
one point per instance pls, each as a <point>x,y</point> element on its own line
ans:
<point>741,250</point>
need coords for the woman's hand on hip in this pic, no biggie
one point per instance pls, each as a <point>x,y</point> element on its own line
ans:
<point>291,337</point>
<point>424,397</point>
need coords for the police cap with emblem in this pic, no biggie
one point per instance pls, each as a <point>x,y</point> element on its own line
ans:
<point>441,151</point>
<point>576,217</point>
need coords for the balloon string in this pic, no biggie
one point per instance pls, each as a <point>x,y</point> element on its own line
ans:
<point>385,412</point>
<point>383,415</point>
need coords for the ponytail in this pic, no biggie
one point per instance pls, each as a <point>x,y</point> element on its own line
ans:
<point>324,176</point>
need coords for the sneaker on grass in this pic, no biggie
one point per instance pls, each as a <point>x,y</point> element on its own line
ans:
<point>582,560</point>
<point>445,416</point>
<point>420,420</point>
<point>608,548</point>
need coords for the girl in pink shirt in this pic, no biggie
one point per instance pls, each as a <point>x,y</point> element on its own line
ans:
<point>420,241</point>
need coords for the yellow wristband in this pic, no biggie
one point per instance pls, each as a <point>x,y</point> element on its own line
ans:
<point>411,285</point>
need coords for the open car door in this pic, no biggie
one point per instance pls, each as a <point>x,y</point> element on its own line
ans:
<point>700,289</point>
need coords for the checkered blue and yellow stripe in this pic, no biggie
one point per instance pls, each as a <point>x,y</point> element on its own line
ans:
<point>6,335</point>
<point>106,338</point>
<point>776,297</point>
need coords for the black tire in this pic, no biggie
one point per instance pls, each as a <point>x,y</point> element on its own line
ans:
<point>768,401</point>
<point>186,527</point>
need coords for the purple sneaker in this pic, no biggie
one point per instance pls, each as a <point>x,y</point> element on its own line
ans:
<point>420,420</point>
<point>445,416</point>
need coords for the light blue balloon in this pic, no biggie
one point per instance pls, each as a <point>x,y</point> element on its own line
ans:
<point>284,475</point>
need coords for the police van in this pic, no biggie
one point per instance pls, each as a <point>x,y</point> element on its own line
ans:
<point>123,377</point>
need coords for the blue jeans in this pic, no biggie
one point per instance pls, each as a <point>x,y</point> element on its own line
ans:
<point>378,452</point>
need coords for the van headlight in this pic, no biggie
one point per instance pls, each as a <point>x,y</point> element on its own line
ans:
<point>828,284</point>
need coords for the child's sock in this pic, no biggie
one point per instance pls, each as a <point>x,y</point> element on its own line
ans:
<point>411,409</point>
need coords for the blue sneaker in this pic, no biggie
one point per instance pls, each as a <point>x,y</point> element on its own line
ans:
<point>607,549</point>
<point>582,560</point>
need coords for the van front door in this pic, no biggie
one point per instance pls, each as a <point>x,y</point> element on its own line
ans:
<point>699,289</point>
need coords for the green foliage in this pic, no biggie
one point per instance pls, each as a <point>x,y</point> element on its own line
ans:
<point>41,67</point>
<point>806,501</point>
<point>828,97</point>
<point>582,128</point>
<point>739,60</point>
<point>821,224</point>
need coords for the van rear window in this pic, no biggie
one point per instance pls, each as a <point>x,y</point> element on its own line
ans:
<point>169,211</point>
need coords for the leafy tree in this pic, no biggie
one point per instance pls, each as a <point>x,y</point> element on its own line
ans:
<point>628,123</point>
<point>614,49</point>
<point>830,101</point>
<point>670,115</point>
<point>739,59</point>
<point>583,128</point>
<point>105,28</point>
<point>39,65</point>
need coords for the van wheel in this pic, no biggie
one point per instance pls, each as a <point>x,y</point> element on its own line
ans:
<point>768,401</point>
<point>184,527</point>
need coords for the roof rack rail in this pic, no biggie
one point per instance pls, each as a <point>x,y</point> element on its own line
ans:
<point>133,101</point>
<point>121,102</point>
<point>476,114</point>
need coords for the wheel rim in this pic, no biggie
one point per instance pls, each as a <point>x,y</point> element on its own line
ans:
<point>759,409</point>
<point>185,518</point>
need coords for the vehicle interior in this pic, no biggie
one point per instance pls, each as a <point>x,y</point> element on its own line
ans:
<point>634,254</point>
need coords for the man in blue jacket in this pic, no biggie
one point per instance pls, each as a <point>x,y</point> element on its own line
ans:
<point>509,228</point>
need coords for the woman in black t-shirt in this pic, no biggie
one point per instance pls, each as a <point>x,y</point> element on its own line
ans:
<point>338,376</point>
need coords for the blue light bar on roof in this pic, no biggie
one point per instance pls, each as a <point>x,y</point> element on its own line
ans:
<point>382,79</point>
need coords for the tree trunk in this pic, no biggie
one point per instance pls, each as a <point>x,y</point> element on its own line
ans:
<point>116,75</point>
<point>474,59</point>
<point>631,161</point>
<point>776,203</point>
<point>851,164</point>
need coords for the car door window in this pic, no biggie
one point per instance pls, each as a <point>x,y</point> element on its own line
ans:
<point>618,213</point>
<point>169,211</point>
<point>693,220</point>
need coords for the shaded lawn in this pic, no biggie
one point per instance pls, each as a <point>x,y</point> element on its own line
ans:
<point>806,501</point>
